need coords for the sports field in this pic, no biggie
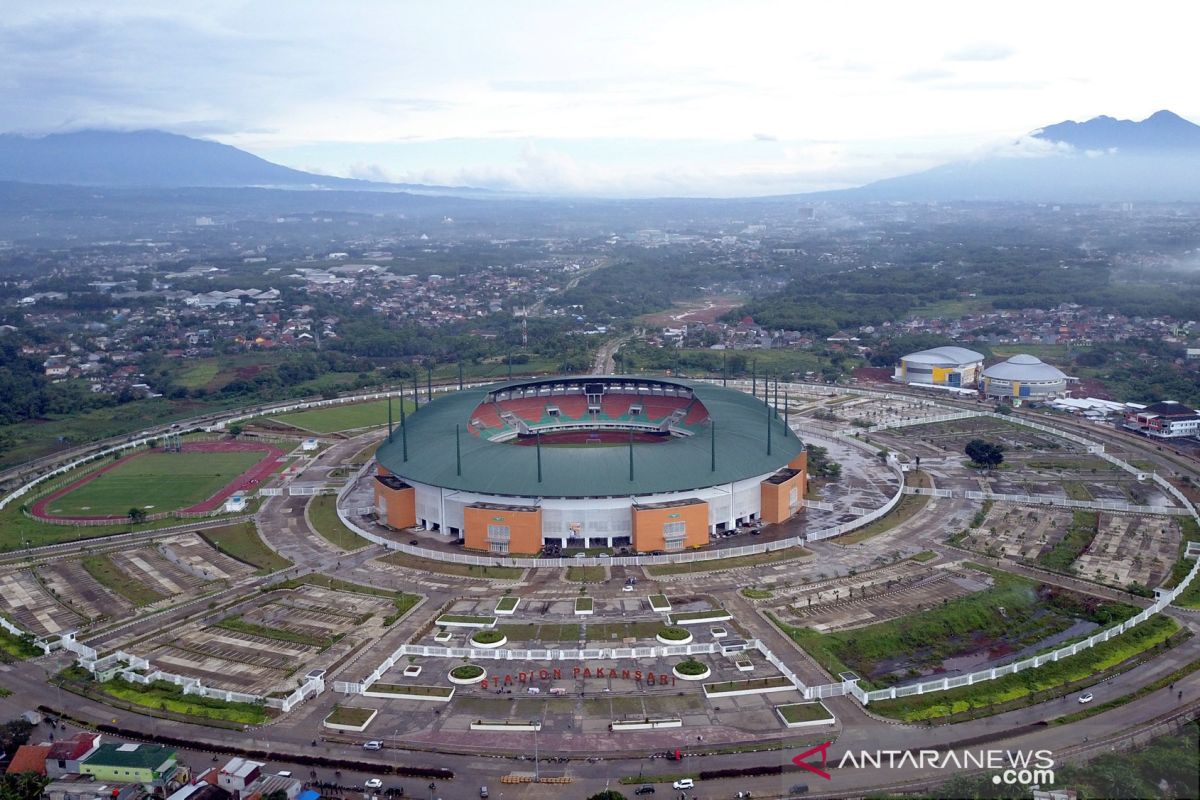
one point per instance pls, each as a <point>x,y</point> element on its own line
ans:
<point>344,418</point>
<point>154,482</point>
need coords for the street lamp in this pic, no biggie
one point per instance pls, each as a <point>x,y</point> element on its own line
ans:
<point>432,789</point>
<point>536,726</point>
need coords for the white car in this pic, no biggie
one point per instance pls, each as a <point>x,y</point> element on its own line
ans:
<point>627,587</point>
<point>684,783</point>
<point>1086,697</point>
<point>373,783</point>
<point>374,744</point>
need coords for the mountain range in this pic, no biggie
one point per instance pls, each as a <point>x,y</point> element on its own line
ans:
<point>1100,160</point>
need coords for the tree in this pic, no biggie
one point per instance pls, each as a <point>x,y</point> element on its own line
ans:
<point>136,515</point>
<point>23,786</point>
<point>608,794</point>
<point>985,454</point>
<point>235,430</point>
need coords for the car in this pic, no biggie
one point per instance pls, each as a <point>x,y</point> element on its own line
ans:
<point>483,792</point>
<point>374,744</point>
<point>581,555</point>
<point>413,542</point>
<point>684,783</point>
<point>283,773</point>
<point>744,793</point>
<point>373,783</point>
<point>644,790</point>
<point>798,788</point>
<point>1086,697</point>
<point>627,587</point>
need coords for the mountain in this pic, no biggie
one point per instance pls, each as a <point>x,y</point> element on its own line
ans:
<point>1161,131</point>
<point>1102,160</point>
<point>157,159</point>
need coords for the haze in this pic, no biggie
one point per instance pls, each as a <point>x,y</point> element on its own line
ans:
<point>594,99</point>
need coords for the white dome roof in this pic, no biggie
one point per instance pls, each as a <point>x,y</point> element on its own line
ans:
<point>944,357</point>
<point>1024,367</point>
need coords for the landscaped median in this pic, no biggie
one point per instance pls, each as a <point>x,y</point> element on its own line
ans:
<point>660,603</point>
<point>777,683</point>
<point>506,606</point>
<point>349,718</point>
<point>395,691</point>
<point>674,635</point>
<point>732,562</point>
<point>804,715</point>
<point>583,606</point>
<point>165,698</point>
<point>488,639</point>
<point>465,621</point>
<point>691,670</point>
<point>467,674</point>
<point>700,617</point>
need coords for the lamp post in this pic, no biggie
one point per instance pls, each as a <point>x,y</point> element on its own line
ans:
<point>536,727</point>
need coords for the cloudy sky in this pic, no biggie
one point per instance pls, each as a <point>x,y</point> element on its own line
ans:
<point>614,98</point>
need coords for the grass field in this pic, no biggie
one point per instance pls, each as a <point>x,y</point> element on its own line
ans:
<point>448,568</point>
<point>729,563</point>
<point>1084,525</point>
<point>106,573</point>
<point>804,712</point>
<point>19,531</point>
<point>1070,673</point>
<point>13,648</point>
<point>169,697</point>
<point>403,601</point>
<point>236,623</point>
<point>585,574</point>
<point>531,632</point>
<point>156,482</point>
<point>322,513</point>
<point>963,625</point>
<point>347,417</point>
<point>243,543</point>
<point>199,374</point>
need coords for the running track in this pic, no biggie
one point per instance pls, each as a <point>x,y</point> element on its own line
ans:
<point>249,479</point>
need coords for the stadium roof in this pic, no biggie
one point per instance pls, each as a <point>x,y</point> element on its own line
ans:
<point>676,465</point>
<point>1024,367</point>
<point>944,357</point>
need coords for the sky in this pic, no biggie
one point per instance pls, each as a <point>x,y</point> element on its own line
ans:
<point>608,98</point>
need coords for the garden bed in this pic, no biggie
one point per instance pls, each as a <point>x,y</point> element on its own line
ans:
<point>350,718</point>
<point>699,617</point>
<point>777,683</point>
<point>439,694</point>
<point>802,715</point>
<point>659,602</point>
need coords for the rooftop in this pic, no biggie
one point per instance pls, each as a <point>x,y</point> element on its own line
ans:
<point>133,756</point>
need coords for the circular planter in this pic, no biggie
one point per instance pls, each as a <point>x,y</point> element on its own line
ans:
<point>475,678</point>
<point>687,639</point>
<point>491,640</point>
<point>686,677</point>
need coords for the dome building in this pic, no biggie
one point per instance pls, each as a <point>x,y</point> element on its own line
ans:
<point>955,367</point>
<point>1024,377</point>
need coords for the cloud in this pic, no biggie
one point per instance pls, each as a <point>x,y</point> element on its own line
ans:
<point>981,51</point>
<point>926,75</point>
<point>765,137</point>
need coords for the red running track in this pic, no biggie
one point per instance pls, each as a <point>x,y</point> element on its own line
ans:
<point>248,479</point>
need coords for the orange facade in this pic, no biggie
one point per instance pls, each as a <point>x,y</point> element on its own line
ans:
<point>650,525</point>
<point>512,529</point>
<point>800,462</point>
<point>782,495</point>
<point>395,502</point>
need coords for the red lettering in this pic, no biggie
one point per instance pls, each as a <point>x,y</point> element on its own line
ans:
<point>624,674</point>
<point>587,672</point>
<point>558,674</point>
<point>521,676</point>
<point>650,679</point>
<point>577,672</point>
<point>612,673</point>
<point>637,676</point>
<point>544,674</point>
<point>507,680</point>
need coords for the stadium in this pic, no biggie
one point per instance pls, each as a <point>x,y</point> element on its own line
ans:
<point>940,366</point>
<point>617,462</point>
<point>1024,377</point>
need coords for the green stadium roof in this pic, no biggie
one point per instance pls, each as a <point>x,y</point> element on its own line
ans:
<point>677,465</point>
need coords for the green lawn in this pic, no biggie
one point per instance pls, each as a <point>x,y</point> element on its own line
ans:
<point>349,715</point>
<point>1072,672</point>
<point>242,542</point>
<point>169,697</point>
<point>18,531</point>
<point>1031,613</point>
<point>689,616</point>
<point>585,574</point>
<point>1084,526</point>
<point>404,602</point>
<point>448,568</point>
<point>156,482</point>
<point>532,632</point>
<point>804,712</point>
<point>351,416</point>
<point>200,373</point>
<point>15,648</point>
<point>772,557</point>
<point>236,623</point>
<point>422,691</point>
<point>608,632</point>
<point>322,512</point>
<point>106,573</point>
